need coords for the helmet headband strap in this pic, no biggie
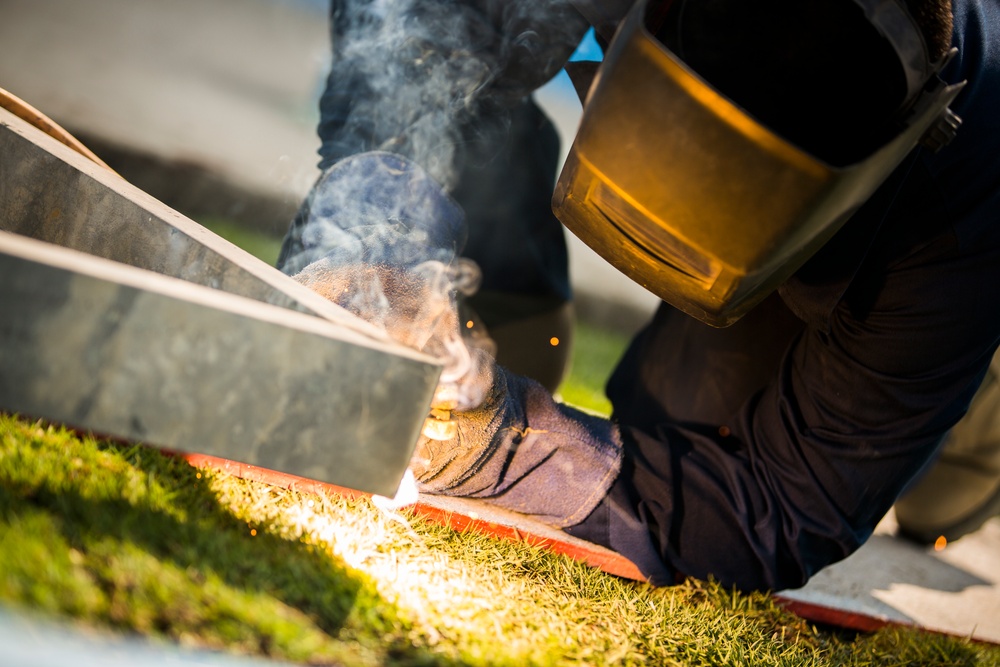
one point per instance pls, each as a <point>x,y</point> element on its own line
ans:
<point>895,23</point>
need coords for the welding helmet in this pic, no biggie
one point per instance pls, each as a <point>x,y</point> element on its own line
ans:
<point>710,204</point>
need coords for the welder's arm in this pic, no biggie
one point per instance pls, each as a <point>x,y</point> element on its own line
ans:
<point>407,77</point>
<point>524,451</point>
<point>374,207</point>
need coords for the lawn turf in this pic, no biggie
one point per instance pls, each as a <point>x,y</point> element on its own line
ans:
<point>124,536</point>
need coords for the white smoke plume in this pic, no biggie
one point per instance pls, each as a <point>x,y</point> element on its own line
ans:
<point>380,236</point>
<point>413,76</point>
<point>380,240</point>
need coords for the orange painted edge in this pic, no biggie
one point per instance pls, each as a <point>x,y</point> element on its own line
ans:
<point>852,620</point>
<point>611,563</point>
<point>266,475</point>
<point>608,562</point>
<point>849,620</point>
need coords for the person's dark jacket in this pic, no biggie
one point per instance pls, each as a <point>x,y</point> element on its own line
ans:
<point>760,454</point>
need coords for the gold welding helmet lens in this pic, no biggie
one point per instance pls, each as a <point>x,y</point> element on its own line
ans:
<point>711,199</point>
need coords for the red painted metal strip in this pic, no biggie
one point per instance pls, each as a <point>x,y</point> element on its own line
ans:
<point>268,476</point>
<point>840,618</point>
<point>607,561</point>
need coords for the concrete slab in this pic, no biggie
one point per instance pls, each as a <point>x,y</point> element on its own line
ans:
<point>289,380</point>
<point>955,590</point>
<point>119,351</point>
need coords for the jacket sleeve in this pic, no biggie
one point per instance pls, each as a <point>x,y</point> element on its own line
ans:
<point>408,76</point>
<point>812,461</point>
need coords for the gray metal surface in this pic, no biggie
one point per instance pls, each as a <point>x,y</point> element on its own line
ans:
<point>121,351</point>
<point>108,323</point>
<point>50,193</point>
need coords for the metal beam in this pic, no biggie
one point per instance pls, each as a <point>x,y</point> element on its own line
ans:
<point>121,351</point>
<point>51,193</point>
<point>120,316</point>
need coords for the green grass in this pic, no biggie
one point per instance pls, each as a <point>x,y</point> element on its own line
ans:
<point>260,245</point>
<point>125,537</point>
<point>594,355</point>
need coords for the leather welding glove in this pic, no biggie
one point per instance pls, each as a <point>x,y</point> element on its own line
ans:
<point>379,237</point>
<point>523,451</point>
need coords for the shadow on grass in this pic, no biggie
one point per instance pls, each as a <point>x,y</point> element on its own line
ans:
<point>127,533</point>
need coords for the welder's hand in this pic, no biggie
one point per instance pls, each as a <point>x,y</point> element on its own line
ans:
<point>377,209</point>
<point>523,451</point>
<point>379,237</point>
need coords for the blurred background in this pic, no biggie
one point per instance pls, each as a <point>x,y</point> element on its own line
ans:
<point>211,106</point>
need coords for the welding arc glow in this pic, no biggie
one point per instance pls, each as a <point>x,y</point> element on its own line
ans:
<point>406,494</point>
<point>438,592</point>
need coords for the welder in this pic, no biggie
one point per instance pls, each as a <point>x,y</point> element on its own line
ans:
<point>816,197</point>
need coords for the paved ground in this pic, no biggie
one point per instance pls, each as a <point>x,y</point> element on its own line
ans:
<point>227,89</point>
